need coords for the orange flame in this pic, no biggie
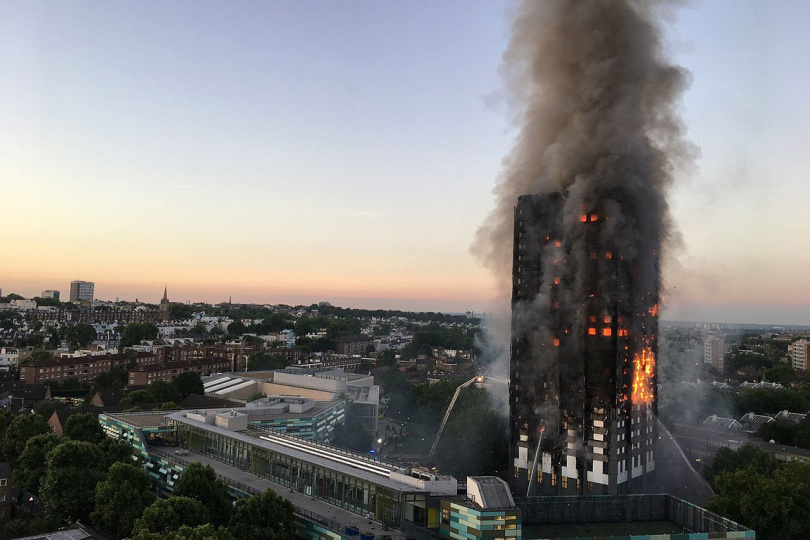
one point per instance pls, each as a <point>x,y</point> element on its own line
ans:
<point>642,378</point>
<point>654,310</point>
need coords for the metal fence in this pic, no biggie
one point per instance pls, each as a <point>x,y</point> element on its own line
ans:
<point>622,509</point>
<point>697,519</point>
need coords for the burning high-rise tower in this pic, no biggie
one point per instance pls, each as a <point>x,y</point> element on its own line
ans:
<point>581,214</point>
<point>582,393</point>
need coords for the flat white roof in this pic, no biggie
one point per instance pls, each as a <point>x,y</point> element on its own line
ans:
<point>228,389</point>
<point>317,454</point>
<point>214,382</point>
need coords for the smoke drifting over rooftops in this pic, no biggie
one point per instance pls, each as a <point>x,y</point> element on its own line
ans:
<point>594,97</point>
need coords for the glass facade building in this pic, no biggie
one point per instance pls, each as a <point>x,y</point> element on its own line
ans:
<point>354,482</point>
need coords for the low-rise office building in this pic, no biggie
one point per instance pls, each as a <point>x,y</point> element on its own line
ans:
<point>343,482</point>
<point>317,384</point>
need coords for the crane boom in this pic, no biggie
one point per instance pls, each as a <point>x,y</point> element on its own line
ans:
<point>478,378</point>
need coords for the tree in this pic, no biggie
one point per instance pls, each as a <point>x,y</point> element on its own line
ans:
<point>324,344</point>
<point>263,517</point>
<point>134,333</point>
<point>275,323</point>
<point>84,427</point>
<point>168,515</point>
<point>260,361</point>
<point>121,498</point>
<point>31,465</point>
<point>35,340</point>
<point>180,311</point>
<point>22,428</point>
<point>40,355</point>
<point>137,397</point>
<point>54,341</point>
<point>304,326</point>
<point>200,482</point>
<point>187,383</point>
<point>5,420</point>
<point>68,487</point>
<point>164,391</point>
<point>202,532</point>
<point>344,327</point>
<point>776,506</point>
<point>727,460</point>
<point>115,451</point>
<point>237,328</point>
<point>115,379</point>
<point>46,407</point>
<point>472,442</point>
<point>24,525</point>
<point>78,335</point>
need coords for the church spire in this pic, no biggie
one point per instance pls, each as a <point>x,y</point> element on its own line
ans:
<point>165,294</point>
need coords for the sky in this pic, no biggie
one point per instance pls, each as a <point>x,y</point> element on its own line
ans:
<point>298,151</point>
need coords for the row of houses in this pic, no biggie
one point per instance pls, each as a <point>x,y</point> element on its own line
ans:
<point>751,421</point>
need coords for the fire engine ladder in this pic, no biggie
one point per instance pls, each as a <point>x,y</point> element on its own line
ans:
<point>477,378</point>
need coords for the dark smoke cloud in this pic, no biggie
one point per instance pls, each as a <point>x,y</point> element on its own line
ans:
<point>595,99</point>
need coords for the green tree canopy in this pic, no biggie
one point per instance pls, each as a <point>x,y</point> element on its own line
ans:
<point>84,427</point>
<point>180,311</point>
<point>344,327</point>
<point>134,333</point>
<point>237,328</point>
<point>188,383</point>
<point>137,397</point>
<point>263,517</point>
<point>168,515</point>
<point>115,451</point>
<point>200,482</point>
<point>32,461</point>
<point>727,460</point>
<point>262,361</point>
<point>164,391</point>
<point>121,498</point>
<point>202,532</point>
<point>78,335</point>
<point>777,506</point>
<point>46,407</point>
<point>22,428</point>
<point>40,355</point>
<point>115,379</point>
<point>68,487</point>
<point>472,441</point>
<point>274,323</point>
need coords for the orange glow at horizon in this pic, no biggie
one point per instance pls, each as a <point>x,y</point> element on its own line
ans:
<point>642,376</point>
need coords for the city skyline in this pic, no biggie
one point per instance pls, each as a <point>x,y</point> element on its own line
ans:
<point>347,153</point>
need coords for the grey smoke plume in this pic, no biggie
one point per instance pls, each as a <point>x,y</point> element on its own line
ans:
<point>595,99</point>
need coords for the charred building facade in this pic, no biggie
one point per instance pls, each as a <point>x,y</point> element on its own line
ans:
<point>582,373</point>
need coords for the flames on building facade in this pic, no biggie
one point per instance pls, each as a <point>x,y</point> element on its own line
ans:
<point>583,371</point>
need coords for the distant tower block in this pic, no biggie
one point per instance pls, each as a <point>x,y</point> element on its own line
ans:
<point>583,396</point>
<point>81,291</point>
